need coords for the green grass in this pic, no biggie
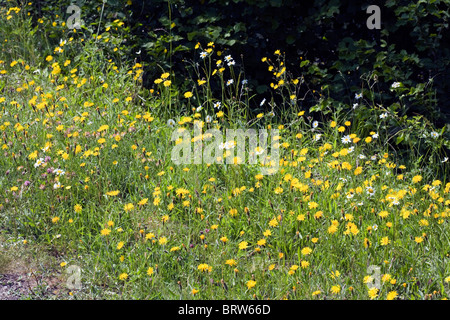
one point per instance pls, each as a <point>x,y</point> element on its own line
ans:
<point>94,121</point>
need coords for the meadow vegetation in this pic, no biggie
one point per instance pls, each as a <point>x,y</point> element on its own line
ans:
<point>86,173</point>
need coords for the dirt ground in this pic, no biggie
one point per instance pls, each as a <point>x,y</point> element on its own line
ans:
<point>26,273</point>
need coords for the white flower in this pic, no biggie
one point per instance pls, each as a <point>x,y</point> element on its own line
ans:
<point>229,82</point>
<point>358,95</point>
<point>374,157</point>
<point>351,149</point>
<point>231,63</point>
<point>370,191</point>
<point>39,162</point>
<point>228,58</point>
<point>375,136</point>
<point>57,185</point>
<point>227,145</point>
<point>217,105</point>
<point>355,105</point>
<point>375,227</point>
<point>244,82</point>
<point>434,134</point>
<point>259,151</point>
<point>199,109</point>
<point>315,124</point>
<point>203,54</point>
<point>262,102</point>
<point>59,172</point>
<point>208,119</point>
<point>395,85</point>
<point>171,123</point>
<point>445,160</point>
<point>346,139</point>
<point>361,156</point>
<point>317,137</point>
<point>383,115</point>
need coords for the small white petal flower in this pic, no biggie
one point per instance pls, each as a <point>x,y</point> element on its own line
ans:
<point>171,123</point>
<point>262,102</point>
<point>434,134</point>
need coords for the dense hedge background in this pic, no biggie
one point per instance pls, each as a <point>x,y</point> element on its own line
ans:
<point>411,47</point>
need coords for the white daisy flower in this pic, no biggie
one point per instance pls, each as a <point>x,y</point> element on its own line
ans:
<point>217,105</point>
<point>259,151</point>
<point>434,134</point>
<point>370,191</point>
<point>230,82</point>
<point>171,123</point>
<point>39,162</point>
<point>383,115</point>
<point>358,95</point>
<point>203,54</point>
<point>346,139</point>
<point>59,172</point>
